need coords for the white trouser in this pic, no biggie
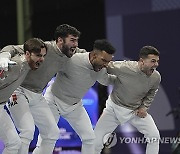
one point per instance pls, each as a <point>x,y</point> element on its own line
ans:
<point>8,133</point>
<point>114,115</point>
<point>77,117</point>
<point>29,109</point>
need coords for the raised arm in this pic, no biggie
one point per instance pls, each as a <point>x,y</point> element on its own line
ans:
<point>7,53</point>
<point>114,67</point>
<point>105,78</point>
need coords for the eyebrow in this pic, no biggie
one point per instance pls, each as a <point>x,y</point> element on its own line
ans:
<point>74,38</point>
<point>154,60</point>
<point>39,54</point>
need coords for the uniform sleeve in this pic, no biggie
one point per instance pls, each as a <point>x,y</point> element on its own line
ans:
<point>151,94</point>
<point>114,67</point>
<point>106,79</point>
<point>10,75</point>
<point>80,50</point>
<point>10,51</point>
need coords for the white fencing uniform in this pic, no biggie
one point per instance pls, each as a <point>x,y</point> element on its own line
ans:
<point>13,78</point>
<point>132,89</point>
<point>65,94</point>
<point>8,133</point>
<point>32,105</point>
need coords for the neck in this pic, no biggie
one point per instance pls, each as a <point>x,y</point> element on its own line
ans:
<point>140,67</point>
<point>91,56</point>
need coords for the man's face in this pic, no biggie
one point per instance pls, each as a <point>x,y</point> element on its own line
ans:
<point>35,59</point>
<point>149,64</point>
<point>69,45</point>
<point>100,60</point>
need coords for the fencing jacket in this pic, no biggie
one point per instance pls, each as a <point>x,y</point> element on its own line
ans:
<point>132,87</point>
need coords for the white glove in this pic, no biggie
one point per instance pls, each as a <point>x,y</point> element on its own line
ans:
<point>3,68</point>
<point>12,63</point>
<point>4,64</point>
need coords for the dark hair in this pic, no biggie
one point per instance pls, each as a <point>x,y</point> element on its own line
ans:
<point>64,30</point>
<point>146,50</point>
<point>34,45</point>
<point>104,45</point>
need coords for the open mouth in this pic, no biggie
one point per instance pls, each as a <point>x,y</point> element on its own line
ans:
<point>98,68</point>
<point>37,64</point>
<point>73,50</point>
<point>152,70</point>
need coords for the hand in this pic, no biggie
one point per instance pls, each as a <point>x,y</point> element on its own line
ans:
<point>12,63</point>
<point>141,112</point>
<point>4,64</point>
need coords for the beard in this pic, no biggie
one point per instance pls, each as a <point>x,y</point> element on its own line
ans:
<point>97,67</point>
<point>148,71</point>
<point>33,65</point>
<point>67,51</point>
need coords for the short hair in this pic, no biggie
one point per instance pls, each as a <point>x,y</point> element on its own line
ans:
<point>104,45</point>
<point>147,50</point>
<point>64,30</point>
<point>34,45</point>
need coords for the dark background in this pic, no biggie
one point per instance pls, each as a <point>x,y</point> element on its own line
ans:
<point>86,15</point>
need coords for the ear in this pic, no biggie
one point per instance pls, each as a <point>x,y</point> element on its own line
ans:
<point>92,56</point>
<point>27,53</point>
<point>142,61</point>
<point>60,40</point>
<point>95,55</point>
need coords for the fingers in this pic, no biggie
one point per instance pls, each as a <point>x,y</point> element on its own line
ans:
<point>4,64</point>
<point>141,114</point>
<point>12,63</point>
